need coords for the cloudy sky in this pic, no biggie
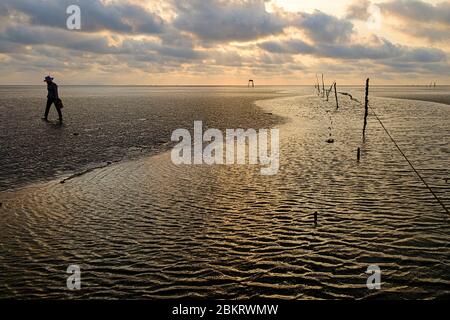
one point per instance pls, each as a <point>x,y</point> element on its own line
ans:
<point>225,41</point>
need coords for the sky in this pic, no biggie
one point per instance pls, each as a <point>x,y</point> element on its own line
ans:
<point>225,42</point>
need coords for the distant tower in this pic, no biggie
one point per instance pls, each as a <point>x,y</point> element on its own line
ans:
<point>252,82</point>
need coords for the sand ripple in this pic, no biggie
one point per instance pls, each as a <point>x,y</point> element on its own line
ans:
<point>149,229</point>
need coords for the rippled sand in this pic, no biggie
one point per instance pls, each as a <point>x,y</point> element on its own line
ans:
<point>149,229</point>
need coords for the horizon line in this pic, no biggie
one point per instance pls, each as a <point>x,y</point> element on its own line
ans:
<point>222,85</point>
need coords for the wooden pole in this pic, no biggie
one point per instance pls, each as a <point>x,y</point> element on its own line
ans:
<point>358,154</point>
<point>318,85</point>
<point>328,91</point>
<point>366,107</point>
<point>335,95</point>
<point>323,88</point>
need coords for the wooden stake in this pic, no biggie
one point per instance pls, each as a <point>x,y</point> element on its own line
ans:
<point>328,91</point>
<point>366,107</point>
<point>335,95</point>
<point>358,154</point>
<point>323,88</point>
<point>318,85</point>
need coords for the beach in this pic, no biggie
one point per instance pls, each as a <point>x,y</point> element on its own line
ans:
<point>109,124</point>
<point>141,227</point>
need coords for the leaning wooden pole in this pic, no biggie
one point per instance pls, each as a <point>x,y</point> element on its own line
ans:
<point>335,95</point>
<point>328,91</point>
<point>318,85</point>
<point>366,107</point>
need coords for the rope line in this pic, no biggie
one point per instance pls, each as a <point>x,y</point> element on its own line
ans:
<point>409,162</point>
<point>404,156</point>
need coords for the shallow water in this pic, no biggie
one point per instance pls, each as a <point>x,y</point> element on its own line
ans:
<point>149,229</point>
<point>440,94</point>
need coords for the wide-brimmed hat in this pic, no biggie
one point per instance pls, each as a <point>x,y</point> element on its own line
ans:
<point>48,78</point>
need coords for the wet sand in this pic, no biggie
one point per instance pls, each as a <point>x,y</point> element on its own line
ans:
<point>110,124</point>
<point>149,229</point>
<point>439,94</point>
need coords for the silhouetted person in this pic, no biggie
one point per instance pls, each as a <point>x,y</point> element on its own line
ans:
<point>52,98</point>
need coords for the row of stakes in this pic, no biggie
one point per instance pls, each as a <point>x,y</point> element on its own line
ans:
<point>366,110</point>
<point>330,128</point>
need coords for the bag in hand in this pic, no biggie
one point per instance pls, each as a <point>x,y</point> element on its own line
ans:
<point>59,103</point>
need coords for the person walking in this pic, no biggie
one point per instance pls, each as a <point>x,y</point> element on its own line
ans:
<point>52,98</point>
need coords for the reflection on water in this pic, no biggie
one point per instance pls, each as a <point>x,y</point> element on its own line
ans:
<point>150,229</point>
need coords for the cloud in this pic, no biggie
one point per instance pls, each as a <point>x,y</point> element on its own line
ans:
<point>321,27</point>
<point>358,10</point>
<point>30,35</point>
<point>146,47</point>
<point>198,38</point>
<point>416,10</point>
<point>237,20</point>
<point>230,20</point>
<point>289,46</point>
<point>381,50</point>
<point>432,34</point>
<point>421,19</point>
<point>96,15</point>
<point>275,60</point>
<point>3,10</point>
<point>227,58</point>
<point>10,47</point>
<point>86,42</point>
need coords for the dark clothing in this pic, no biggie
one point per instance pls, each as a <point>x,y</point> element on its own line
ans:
<point>52,96</point>
<point>52,89</point>
<point>47,109</point>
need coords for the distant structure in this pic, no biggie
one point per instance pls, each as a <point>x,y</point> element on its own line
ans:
<point>252,82</point>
